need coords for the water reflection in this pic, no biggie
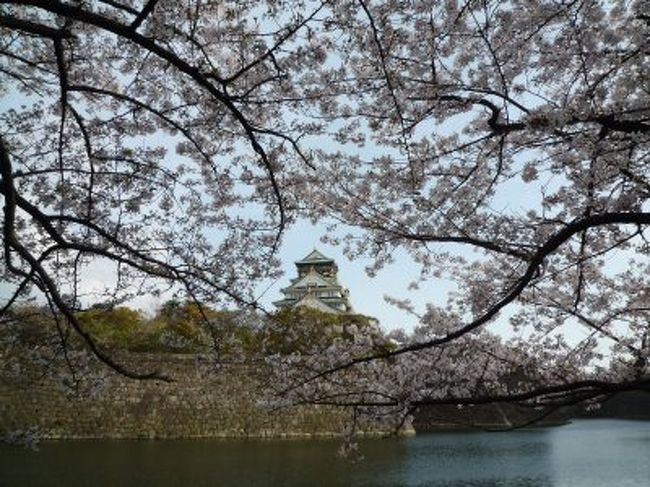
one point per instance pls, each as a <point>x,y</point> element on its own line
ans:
<point>590,453</point>
<point>520,458</point>
<point>601,454</point>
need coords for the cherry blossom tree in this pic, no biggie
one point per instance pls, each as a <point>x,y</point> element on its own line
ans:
<point>519,130</point>
<point>178,140</point>
<point>105,91</point>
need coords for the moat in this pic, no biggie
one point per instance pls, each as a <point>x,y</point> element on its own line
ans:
<point>585,453</point>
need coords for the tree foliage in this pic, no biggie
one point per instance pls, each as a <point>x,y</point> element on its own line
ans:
<point>178,140</point>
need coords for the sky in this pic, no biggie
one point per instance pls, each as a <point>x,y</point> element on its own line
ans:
<point>367,294</point>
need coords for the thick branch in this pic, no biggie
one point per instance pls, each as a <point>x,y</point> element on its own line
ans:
<point>148,8</point>
<point>121,30</point>
<point>15,23</point>
<point>535,262</point>
<point>11,241</point>
<point>588,387</point>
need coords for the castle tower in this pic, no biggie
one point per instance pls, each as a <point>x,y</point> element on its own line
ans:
<point>316,286</point>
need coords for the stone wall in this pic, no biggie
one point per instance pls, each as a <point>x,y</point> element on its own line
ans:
<point>201,402</point>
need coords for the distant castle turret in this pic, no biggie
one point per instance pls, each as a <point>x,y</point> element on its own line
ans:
<point>316,286</point>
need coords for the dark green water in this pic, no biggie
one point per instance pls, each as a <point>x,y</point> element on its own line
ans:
<point>588,453</point>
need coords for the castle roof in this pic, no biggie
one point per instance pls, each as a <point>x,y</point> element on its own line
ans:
<point>310,301</point>
<point>312,279</point>
<point>314,257</point>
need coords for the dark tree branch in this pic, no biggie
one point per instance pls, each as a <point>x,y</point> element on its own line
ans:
<point>148,8</point>
<point>120,30</point>
<point>534,264</point>
<point>591,388</point>
<point>12,242</point>
<point>29,27</point>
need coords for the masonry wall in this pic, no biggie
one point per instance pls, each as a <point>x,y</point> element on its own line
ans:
<point>199,403</point>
